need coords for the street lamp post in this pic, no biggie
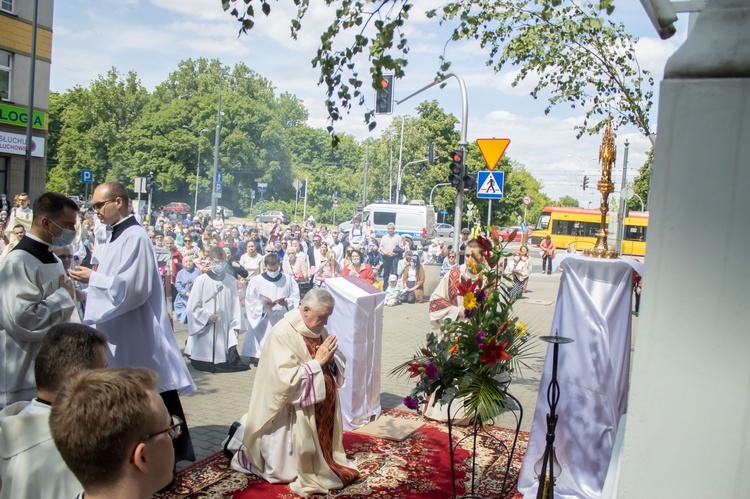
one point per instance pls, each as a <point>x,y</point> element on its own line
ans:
<point>463,143</point>
<point>198,166</point>
<point>400,174</point>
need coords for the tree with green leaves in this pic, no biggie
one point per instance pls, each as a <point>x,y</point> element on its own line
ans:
<point>570,49</point>
<point>567,201</point>
<point>642,183</point>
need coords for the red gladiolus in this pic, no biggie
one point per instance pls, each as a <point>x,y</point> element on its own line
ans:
<point>416,369</point>
<point>492,351</point>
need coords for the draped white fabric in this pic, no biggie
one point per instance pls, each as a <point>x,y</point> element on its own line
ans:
<point>357,322</point>
<point>593,307</point>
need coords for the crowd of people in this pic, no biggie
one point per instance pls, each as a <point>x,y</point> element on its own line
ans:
<point>90,370</point>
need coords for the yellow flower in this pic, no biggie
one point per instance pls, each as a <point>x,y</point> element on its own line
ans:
<point>470,301</point>
<point>472,265</point>
<point>453,349</point>
<point>521,329</point>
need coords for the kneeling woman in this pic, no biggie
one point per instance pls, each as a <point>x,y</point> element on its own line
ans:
<point>413,281</point>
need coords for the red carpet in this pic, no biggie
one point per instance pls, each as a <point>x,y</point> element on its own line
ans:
<point>418,467</point>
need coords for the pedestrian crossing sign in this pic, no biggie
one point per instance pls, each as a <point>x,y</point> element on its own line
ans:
<point>490,184</point>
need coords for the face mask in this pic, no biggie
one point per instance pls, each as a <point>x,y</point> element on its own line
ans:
<point>219,267</point>
<point>66,238</point>
<point>273,274</point>
<point>516,258</point>
<point>355,261</point>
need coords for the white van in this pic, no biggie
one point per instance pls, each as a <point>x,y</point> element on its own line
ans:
<point>415,220</point>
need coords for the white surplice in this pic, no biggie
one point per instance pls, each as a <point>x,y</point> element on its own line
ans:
<point>31,302</point>
<point>201,306</point>
<point>125,301</point>
<point>30,464</point>
<point>261,318</point>
<point>280,436</point>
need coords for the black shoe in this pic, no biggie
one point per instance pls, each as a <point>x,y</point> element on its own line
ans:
<point>232,431</point>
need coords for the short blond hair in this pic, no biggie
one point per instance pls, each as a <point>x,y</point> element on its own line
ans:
<point>98,418</point>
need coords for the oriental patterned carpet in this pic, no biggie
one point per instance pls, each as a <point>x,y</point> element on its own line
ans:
<point>418,467</point>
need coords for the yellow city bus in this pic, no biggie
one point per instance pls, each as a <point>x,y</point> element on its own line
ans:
<point>578,227</point>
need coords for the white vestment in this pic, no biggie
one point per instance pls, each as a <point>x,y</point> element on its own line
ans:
<point>125,301</point>
<point>281,438</point>
<point>260,316</point>
<point>226,304</point>
<point>31,302</point>
<point>30,464</point>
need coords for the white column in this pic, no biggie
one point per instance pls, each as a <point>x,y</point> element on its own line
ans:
<point>688,428</point>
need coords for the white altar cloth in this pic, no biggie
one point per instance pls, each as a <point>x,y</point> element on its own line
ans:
<point>593,307</point>
<point>357,322</point>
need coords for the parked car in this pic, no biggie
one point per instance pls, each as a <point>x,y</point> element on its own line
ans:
<point>206,212</point>
<point>176,208</point>
<point>505,233</point>
<point>268,216</point>
<point>444,230</point>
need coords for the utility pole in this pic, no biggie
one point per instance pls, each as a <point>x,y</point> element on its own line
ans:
<point>400,155</point>
<point>216,156</point>
<point>304,206</point>
<point>364,182</point>
<point>623,202</point>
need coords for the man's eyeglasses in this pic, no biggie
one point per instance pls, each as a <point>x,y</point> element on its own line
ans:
<point>101,204</point>
<point>65,257</point>
<point>174,430</point>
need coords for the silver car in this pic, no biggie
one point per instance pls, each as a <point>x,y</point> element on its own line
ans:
<point>206,212</point>
<point>444,230</point>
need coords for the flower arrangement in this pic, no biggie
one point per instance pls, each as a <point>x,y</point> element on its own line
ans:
<point>468,357</point>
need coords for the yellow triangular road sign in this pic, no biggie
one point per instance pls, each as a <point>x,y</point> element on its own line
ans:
<point>492,150</point>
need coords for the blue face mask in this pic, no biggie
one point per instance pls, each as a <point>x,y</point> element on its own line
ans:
<point>65,238</point>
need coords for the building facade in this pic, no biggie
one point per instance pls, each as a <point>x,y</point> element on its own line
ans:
<point>16,27</point>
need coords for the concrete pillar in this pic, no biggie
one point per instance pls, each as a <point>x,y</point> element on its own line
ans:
<point>688,428</point>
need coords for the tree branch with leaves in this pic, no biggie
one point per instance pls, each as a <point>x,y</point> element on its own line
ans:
<point>571,49</point>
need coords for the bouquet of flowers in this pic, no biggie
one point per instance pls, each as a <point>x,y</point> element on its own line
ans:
<point>468,357</point>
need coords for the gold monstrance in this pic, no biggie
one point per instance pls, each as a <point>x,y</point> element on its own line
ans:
<point>607,156</point>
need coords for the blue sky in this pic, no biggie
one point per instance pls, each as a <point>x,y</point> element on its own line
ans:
<point>152,36</point>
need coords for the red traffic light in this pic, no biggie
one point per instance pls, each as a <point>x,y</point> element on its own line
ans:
<point>383,83</point>
<point>456,156</point>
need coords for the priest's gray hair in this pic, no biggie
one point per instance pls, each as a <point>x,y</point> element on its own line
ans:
<point>317,298</point>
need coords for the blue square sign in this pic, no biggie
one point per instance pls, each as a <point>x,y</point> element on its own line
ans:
<point>490,184</point>
<point>87,176</point>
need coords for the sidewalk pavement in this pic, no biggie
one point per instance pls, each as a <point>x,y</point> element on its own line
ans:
<point>223,398</point>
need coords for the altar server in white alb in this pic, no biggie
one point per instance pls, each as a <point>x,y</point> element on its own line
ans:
<point>125,301</point>
<point>214,318</point>
<point>268,297</point>
<point>35,294</point>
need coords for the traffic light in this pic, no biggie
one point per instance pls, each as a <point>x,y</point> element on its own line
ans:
<point>585,182</point>
<point>470,181</point>
<point>384,96</point>
<point>431,153</point>
<point>149,182</point>
<point>457,168</point>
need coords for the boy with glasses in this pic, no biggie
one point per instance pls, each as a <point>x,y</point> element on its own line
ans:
<point>115,434</point>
